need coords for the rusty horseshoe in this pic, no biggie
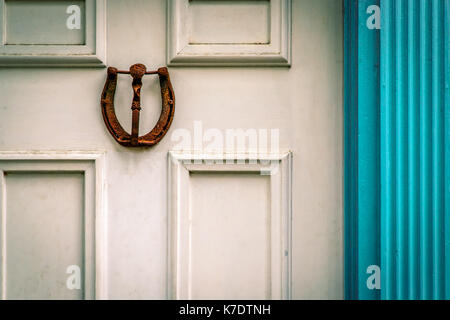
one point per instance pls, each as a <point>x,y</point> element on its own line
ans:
<point>137,71</point>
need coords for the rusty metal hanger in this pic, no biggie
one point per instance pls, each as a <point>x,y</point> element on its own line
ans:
<point>137,71</point>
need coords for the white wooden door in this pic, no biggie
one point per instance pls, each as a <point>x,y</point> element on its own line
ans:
<point>242,199</point>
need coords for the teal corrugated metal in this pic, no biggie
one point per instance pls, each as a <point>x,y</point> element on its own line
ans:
<point>350,142</point>
<point>368,148</point>
<point>397,153</point>
<point>447,147</point>
<point>362,143</point>
<point>438,147</point>
<point>413,150</point>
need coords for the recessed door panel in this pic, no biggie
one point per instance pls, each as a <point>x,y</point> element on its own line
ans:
<point>230,234</point>
<point>44,234</point>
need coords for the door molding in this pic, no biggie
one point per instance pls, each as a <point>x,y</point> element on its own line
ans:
<point>92,165</point>
<point>279,170</point>
<point>182,50</point>
<point>90,54</point>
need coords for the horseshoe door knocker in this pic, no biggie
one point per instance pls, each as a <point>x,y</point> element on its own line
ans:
<point>137,71</point>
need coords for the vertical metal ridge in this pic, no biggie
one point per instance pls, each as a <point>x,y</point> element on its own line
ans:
<point>347,159</point>
<point>387,150</point>
<point>425,151</point>
<point>351,165</point>
<point>354,128</point>
<point>402,148</point>
<point>437,85</point>
<point>447,145</point>
<point>413,151</point>
<point>368,150</point>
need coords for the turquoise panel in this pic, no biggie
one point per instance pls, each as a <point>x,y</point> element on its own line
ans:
<point>397,154</point>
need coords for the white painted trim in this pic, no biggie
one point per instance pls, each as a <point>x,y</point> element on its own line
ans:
<point>60,55</point>
<point>180,165</point>
<point>181,53</point>
<point>3,236</point>
<point>64,161</point>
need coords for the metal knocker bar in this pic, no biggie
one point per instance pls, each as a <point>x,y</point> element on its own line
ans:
<point>137,71</point>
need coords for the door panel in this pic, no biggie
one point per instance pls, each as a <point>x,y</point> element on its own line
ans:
<point>230,228</point>
<point>237,229</point>
<point>43,235</point>
<point>50,210</point>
